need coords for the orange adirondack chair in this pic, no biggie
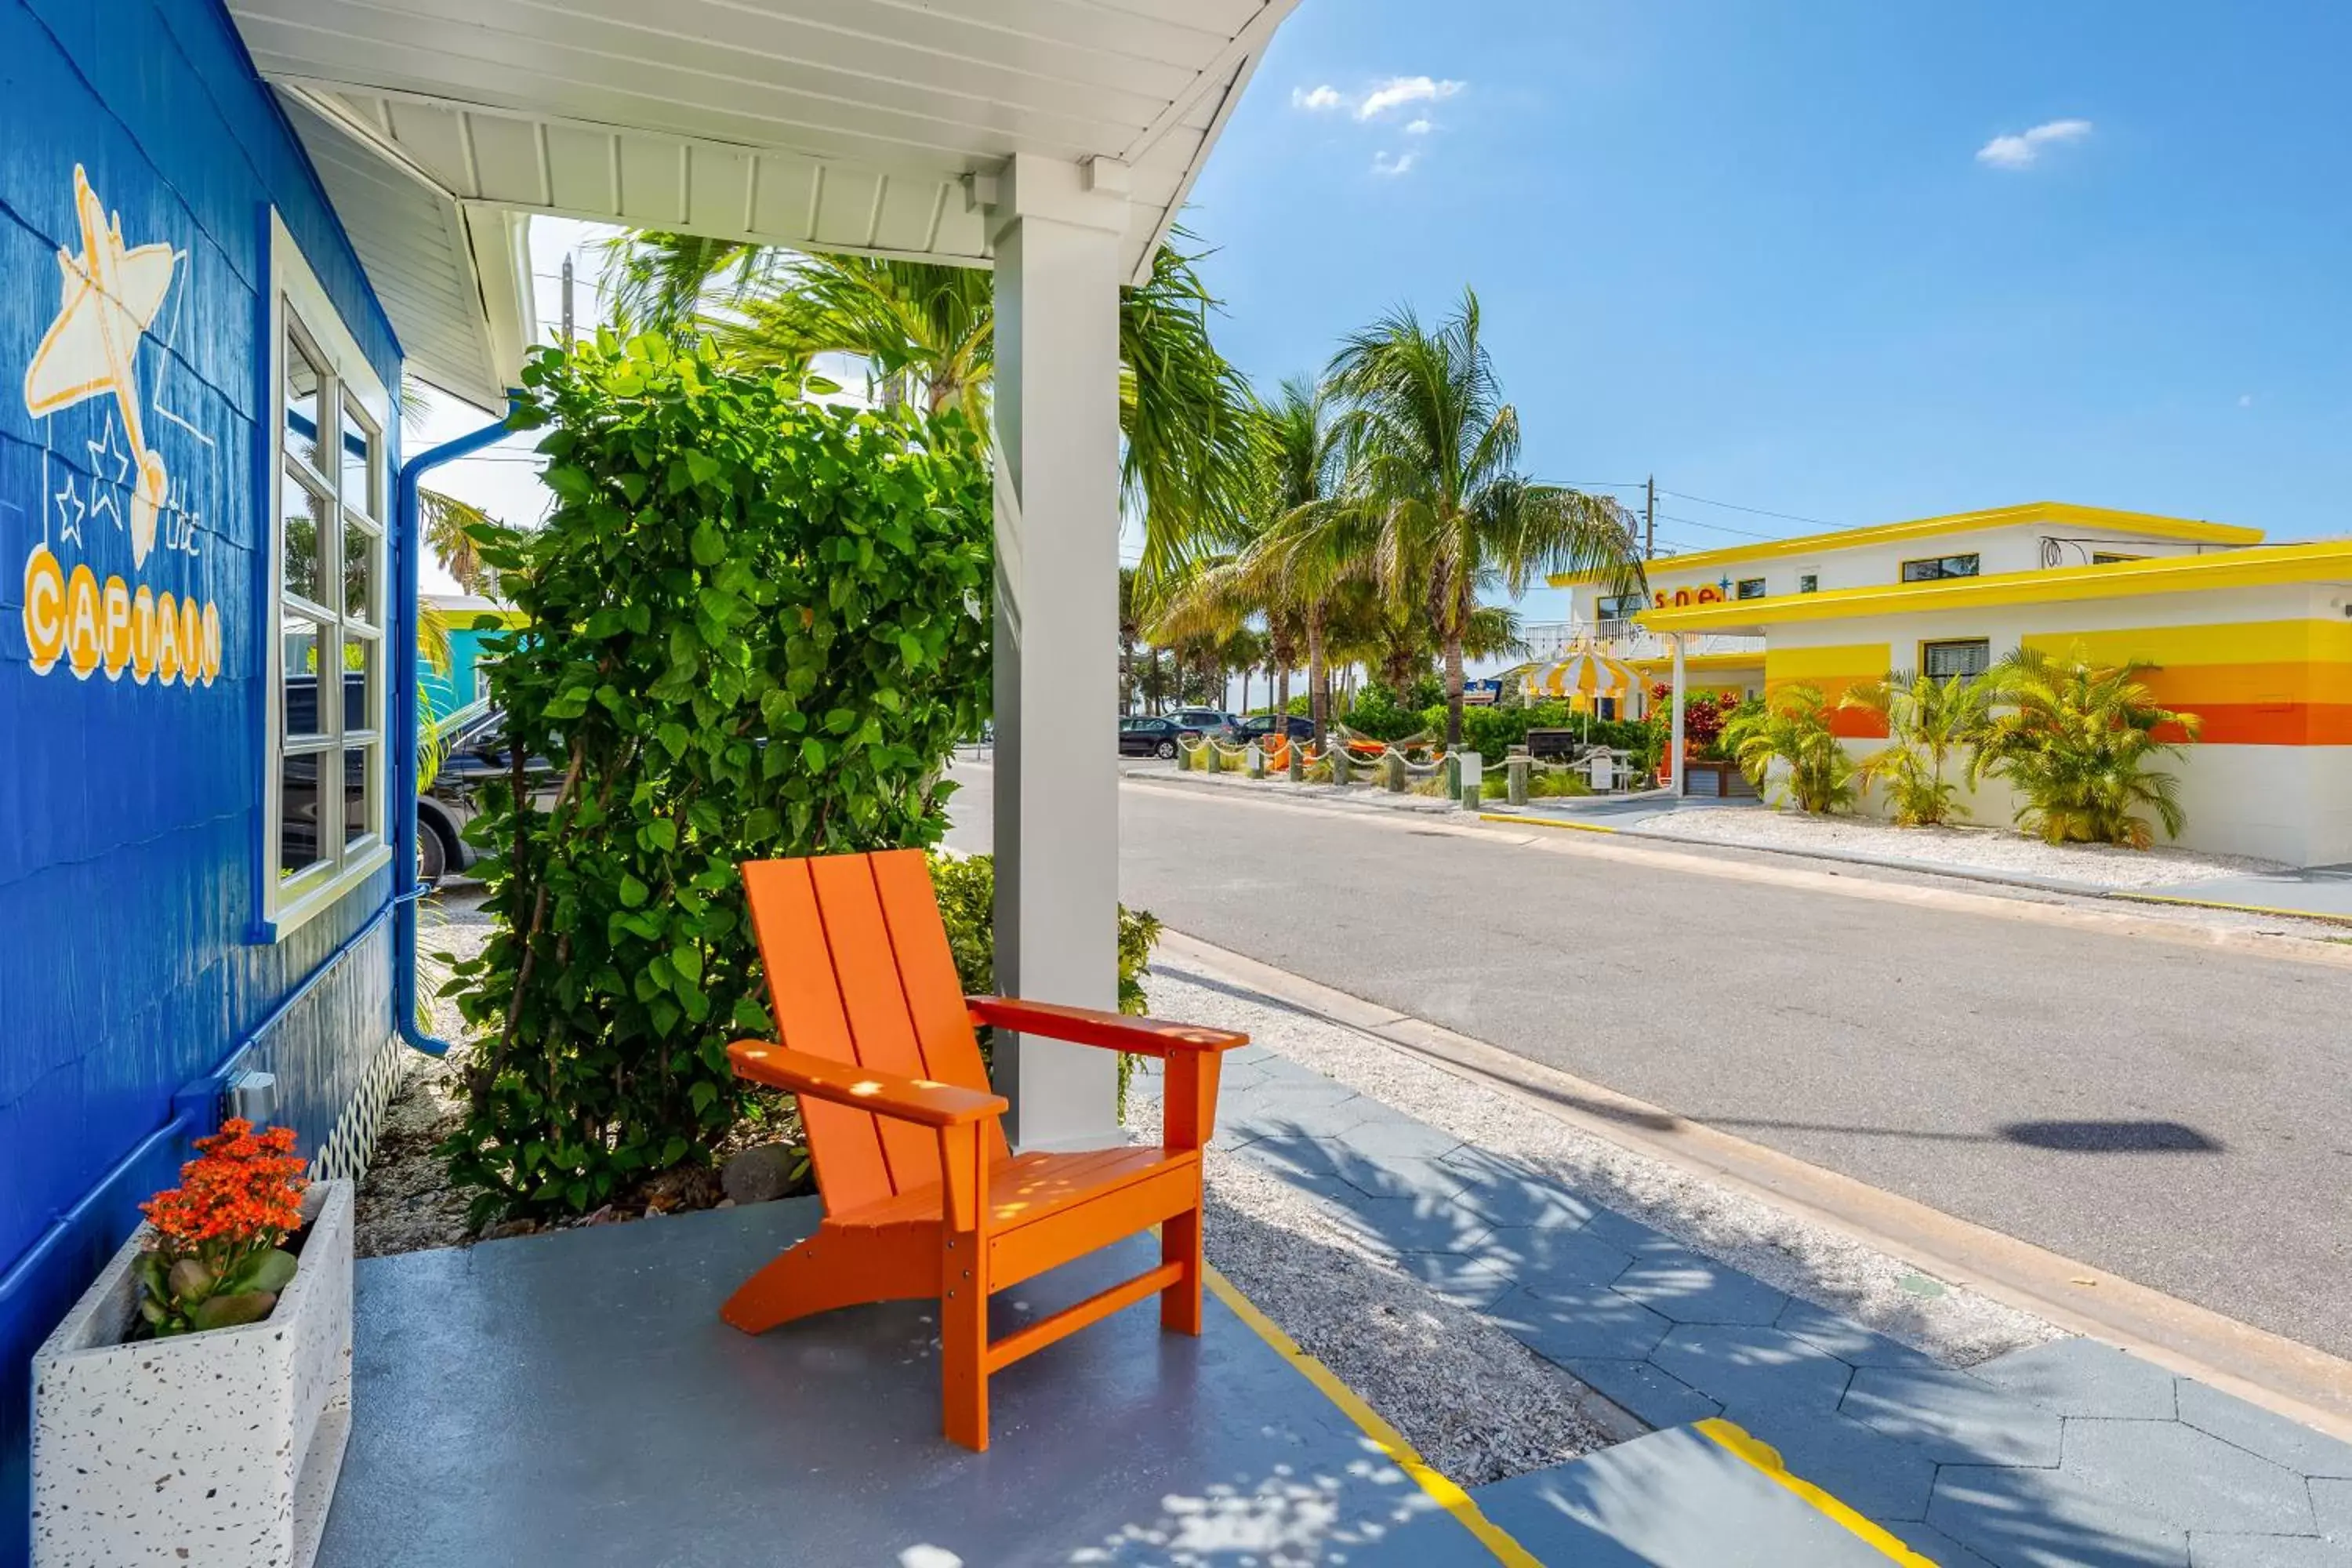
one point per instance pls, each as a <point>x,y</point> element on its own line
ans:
<point>922,1197</point>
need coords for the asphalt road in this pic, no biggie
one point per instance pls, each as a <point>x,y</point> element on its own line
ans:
<point>2178,1115</point>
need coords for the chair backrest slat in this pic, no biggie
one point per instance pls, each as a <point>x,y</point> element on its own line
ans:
<point>844,1145</point>
<point>927,971</point>
<point>867,970</point>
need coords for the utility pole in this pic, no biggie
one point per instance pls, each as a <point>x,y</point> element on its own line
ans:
<point>1650,520</point>
<point>567,303</point>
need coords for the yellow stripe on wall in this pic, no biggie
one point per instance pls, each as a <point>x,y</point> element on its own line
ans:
<point>1847,662</point>
<point>2243,642</point>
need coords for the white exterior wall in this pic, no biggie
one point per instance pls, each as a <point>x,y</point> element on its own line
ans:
<point>2278,802</point>
<point>2015,548</point>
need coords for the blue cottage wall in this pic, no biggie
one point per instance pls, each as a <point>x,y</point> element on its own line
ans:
<point>130,810</point>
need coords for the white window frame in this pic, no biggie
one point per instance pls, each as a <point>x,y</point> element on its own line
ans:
<point>1934,644</point>
<point>299,304</point>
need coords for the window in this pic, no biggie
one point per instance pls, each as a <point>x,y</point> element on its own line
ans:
<point>1936,567</point>
<point>1619,606</point>
<point>1751,588</point>
<point>1809,583</point>
<point>2106,558</point>
<point>325,777</point>
<point>1970,656</point>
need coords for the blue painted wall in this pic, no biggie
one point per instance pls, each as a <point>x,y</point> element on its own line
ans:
<point>130,829</point>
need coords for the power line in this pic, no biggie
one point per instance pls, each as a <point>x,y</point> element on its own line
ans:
<point>1718,527</point>
<point>1755,511</point>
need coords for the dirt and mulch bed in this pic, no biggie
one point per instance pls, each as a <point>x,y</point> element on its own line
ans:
<point>407,1203</point>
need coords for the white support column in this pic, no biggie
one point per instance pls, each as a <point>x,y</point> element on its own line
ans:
<point>1057,227</point>
<point>1681,764</point>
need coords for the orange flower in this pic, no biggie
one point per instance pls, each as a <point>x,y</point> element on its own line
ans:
<point>243,1190</point>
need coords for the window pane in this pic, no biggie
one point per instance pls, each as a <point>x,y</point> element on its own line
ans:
<point>301,640</point>
<point>359,462</point>
<point>298,822</point>
<point>1751,587</point>
<point>303,536</point>
<point>359,796</point>
<point>359,678</point>
<point>303,381</point>
<point>359,573</point>
<point>1945,660</point>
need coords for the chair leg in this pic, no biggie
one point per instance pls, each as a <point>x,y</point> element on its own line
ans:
<point>838,1267</point>
<point>963,1341</point>
<point>1180,1243</point>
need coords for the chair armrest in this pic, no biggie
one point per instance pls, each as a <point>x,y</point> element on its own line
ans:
<point>1092,1027</point>
<point>920,1101</point>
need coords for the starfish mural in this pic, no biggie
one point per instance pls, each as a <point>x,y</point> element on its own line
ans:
<point>111,295</point>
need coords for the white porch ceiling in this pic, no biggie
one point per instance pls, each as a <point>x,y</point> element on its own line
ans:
<point>823,124</point>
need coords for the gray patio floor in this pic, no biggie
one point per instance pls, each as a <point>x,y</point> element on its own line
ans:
<point>2072,1453</point>
<point>572,1399</point>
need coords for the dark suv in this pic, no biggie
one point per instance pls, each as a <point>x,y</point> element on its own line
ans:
<point>1264,725</point>
<point>473,749</point>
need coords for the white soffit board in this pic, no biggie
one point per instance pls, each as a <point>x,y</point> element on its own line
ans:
<point>454,283</point>
<point>823,124</point>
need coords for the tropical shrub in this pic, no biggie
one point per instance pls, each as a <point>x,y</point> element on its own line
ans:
<point>2075,740</point>
<point>1791,727</point>
<point>966,886</point>
<point>1928,721</point>
<point>1378,713</point>
<point>757,627</point>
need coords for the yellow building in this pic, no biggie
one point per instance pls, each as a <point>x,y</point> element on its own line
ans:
<point>2254,639</point>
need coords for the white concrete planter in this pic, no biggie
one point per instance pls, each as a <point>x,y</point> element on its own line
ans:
<point>208,1450</point>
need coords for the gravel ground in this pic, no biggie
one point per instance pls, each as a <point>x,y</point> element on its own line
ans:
<point>1979,849</point>
<point>406,1203</point>
<point>1473,1401</point>
<point>1807,1259</point>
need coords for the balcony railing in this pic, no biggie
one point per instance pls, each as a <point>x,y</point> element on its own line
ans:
<point>1627,639</point>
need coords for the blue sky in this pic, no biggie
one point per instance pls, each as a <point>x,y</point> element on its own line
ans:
<point>1781,255</point>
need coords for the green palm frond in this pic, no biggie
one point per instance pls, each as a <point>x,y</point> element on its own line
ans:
<point>1433,505</point>
<point>1788,750</point>
<point>2076,740</point>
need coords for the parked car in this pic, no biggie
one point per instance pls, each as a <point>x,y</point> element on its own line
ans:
<point>1264,725</point>
<point>474,749</point>
<point>1150,737</point>
<point>1209,722</point>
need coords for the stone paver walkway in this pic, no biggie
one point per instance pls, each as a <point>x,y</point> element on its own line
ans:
<point>2072,1453</point>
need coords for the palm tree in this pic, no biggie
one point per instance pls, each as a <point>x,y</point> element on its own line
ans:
<point>1297,588</point>
<point>1927,721</point>
<point>2075,739</point>
<point>928,331</point>
<point>1433,498</point>
<point>1793,727</point>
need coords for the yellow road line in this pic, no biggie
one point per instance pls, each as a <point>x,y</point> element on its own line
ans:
<point>2239,908</point>
<point>1447,1495</point>
<point>1734,1440</point>
<point>1544,822</point>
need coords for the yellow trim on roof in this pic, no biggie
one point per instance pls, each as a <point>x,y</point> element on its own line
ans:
<point>2269,565</point>
<point>2147,524</point>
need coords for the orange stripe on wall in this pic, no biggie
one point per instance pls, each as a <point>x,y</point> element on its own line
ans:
<point>2268,724</point>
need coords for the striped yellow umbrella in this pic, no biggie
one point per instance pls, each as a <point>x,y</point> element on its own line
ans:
<point>1584,674</point>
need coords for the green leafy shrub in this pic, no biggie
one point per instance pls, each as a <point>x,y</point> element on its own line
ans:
<point>1377,712</point>
<point>757,629</point>
<point>2076,738</point>
<point>1793,728</point>
<point>1927,721</point>
<point>967,892</point>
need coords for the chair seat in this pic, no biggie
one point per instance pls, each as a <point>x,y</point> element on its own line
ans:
<point>1027,1187</point>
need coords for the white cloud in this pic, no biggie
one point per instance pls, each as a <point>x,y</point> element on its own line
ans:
<point>1417,128</point>
<point>1316,98</point>
<point>2245,400</point>
<point>1400,90</point>
<point>1392,163</point>
<point>2024,148</point>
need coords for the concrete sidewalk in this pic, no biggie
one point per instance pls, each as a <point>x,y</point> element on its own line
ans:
<point>2070,1453</point>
